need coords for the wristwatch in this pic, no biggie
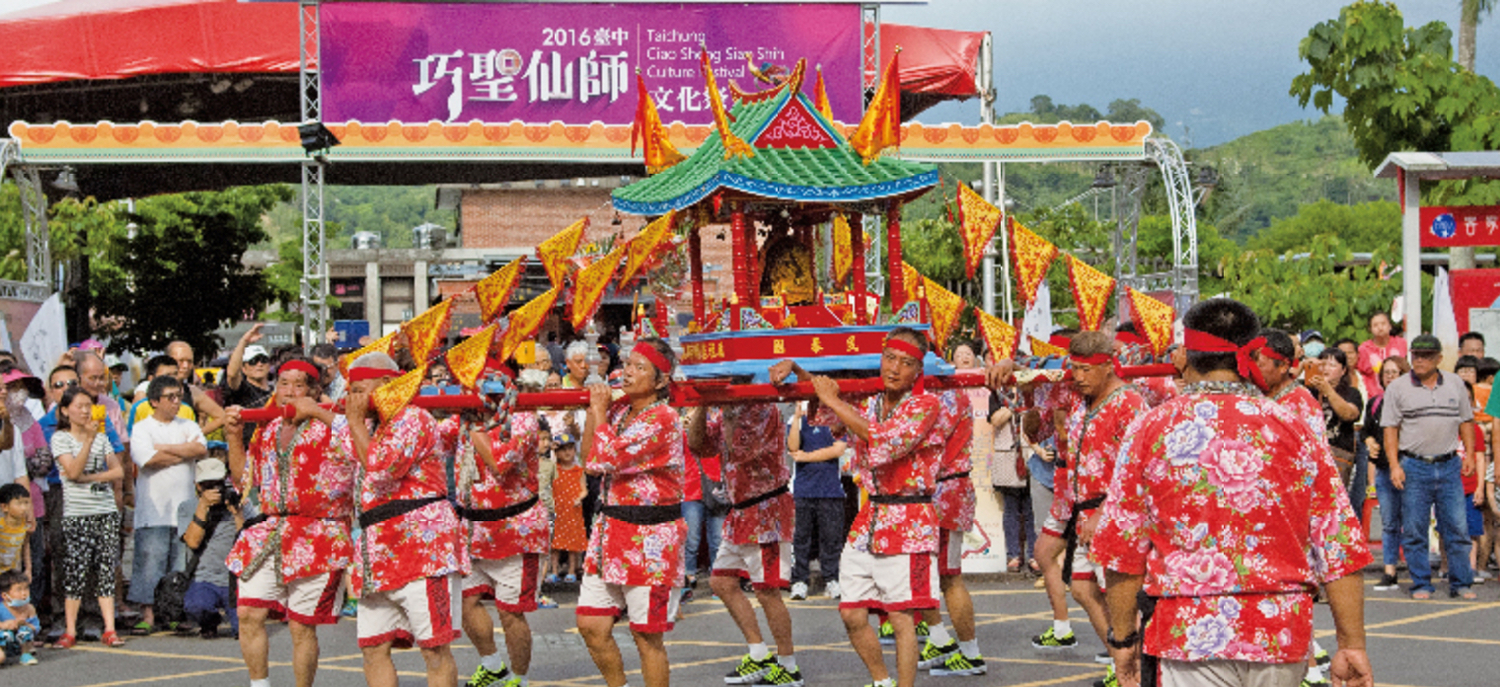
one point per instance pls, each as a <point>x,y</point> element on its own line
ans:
<point>1130,640</point>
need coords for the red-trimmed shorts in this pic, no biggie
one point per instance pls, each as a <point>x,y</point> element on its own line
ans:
<point>950,555</point>
<point>650,608</point>
<point>422,612</point>
<point>890,582</point>
<point>767,566</point>
<point>312,600</point>
<point>515,583</point>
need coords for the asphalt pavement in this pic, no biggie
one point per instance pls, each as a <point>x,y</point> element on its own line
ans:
<point>1436,643</point>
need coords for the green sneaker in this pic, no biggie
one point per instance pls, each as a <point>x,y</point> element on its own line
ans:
<point>923,631</point>
<point>934,656</point>
<point>1050,640</point>
<point>887,633</point>
<point>514,681</point>
<point>749,670</point>
<point>1315,683</point>
<point>959,664</point>
<point>779,675</point>
<point>484,677</point>
<point>1109,679</point>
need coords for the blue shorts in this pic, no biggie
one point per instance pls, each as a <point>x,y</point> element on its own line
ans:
<point>1476,517</point>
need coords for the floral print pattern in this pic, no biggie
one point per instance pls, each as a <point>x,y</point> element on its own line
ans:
<point>1095,435</point>
<point>901,458</point>
<point>642,462</point>
<point>955,497</point>
<point>753,450</point>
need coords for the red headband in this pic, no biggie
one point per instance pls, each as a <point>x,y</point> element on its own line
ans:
<point>913,351</point>
<point>1097,359</point>
<point>650,353</point>
<point>1203,342</point>
<point>360,374</point>
<point>307,368</point>
<point>1272,354</point>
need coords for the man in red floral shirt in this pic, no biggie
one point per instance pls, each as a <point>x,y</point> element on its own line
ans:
<point>290,559</point>
<point>757,540</point>
<point>1228,511</point>
<point>408,561</point>
<point>889,561</point>
<point>1274,360</point>
<point>634,561</point>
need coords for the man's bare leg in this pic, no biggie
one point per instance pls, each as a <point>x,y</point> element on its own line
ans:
<point>304,651</point>
<point>728,590</point>
<point>596,631</point>
<point>865,642</point>
<point>441,670</point>
<point>1048,550</point>
<point>380,671</point>
<point>655,671</point>
<point>1088,595</point>
<point>778,618</point>
<point>253,644</point>
<point>907,650</point>
<point>517,641</point>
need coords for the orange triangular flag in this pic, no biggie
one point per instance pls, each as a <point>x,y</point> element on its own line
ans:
<point>977,222</point>
<point>385,344</point>
<point>656,148</point>
<point>525,320</point>
<point>1043,349</point>
<point>820,98</point>
<point>911,282</point>
<point>843,249</point>
<point>466,360</point>
<point>494,291</point>
<point>1153,319</point>
<point>881,126</point>
<point>1031,255</point>
<point>590,284</point>
<point>946,308</point>
<point>427,330</point>
<point>392,396</point>
<point>999,336</point>
<point>1092,290</point>
<point>645,244</point>
<point>555,251</point>
<point>733,145</point>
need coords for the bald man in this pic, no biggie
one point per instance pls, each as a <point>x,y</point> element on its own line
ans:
<point>210,414</point>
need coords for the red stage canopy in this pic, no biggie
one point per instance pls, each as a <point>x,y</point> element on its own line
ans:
<point>116,39</point>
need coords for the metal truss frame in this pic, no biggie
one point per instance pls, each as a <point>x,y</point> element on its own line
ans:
<point>869,58</point>
<point>314,286</point>
<point>1179,187</point>
<point>34,209</point>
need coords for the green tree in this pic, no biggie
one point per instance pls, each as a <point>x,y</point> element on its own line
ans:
<point>1126,111</point>
<point>1364,227</point>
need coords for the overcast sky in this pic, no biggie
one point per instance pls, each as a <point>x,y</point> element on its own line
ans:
<point>1214,69</point>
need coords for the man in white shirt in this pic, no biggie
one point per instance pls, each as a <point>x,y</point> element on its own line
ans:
<point>163,448</point>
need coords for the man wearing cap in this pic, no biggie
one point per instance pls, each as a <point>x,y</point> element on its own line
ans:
<point>757,536</point>
<point>209,525</point>
<point>1274,359</point>
<point>889,561</point>
<point>247,379</point>
<point>1227,510</point>
<point>1428,420</point>
<point>507,532</point>
<point>409,560</point>
<point>634,561</point>
<point>163,448</point>
<point>290,559</point>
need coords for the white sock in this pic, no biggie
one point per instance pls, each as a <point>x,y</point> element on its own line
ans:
<point>523,680</point>
<point>970,648</point>
<point>1317,647</point>
<point>759,652</point>
<point>888,682</point>
<point>788,662</point>
<point>1315,674</point>
<point>261,683</point>
<point>937,633</point>
<point>1062,628</point>
<point>493,662</point>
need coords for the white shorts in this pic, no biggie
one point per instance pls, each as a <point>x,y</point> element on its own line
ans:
<point>313,600</point>
<point>1085,570</point>
<point>767,566</point>
<point>894,582</point>
<point>515,583</point>
<point>422,613</point>
<point>650,609</point>
<point>1051,526</point>
<point>950,555</point>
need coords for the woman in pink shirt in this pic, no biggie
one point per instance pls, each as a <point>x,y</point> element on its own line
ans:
<point>1381,345</point>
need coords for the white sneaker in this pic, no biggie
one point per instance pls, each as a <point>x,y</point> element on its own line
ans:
<point>799,591</point>
<point>833,591</point>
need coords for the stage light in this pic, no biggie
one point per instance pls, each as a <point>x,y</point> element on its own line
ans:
<point>316,137</point>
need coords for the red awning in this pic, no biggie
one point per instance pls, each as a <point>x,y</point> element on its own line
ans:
<point>936,64</point>
<point>116,39</point>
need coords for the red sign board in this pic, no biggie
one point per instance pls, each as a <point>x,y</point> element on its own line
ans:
<point>1464,225</point>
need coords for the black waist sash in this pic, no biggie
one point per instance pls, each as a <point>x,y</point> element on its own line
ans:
<point>898,499</point>
<point>1070,533</point>
<point>497,514</point>
<point>394,509</point>
<point>756,500</point>
<point>956,475</point>
<point>644,515</point>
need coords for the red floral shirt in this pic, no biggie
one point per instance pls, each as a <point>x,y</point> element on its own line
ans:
<point>901,458</point>
<point>642,465</point>
<point>955,491</point>
<point>480,488</point>
<point>1156,390</point>
<point>306,494</point>
<point>404,463</point>
<point>1303,406</point>
<point>1232,510</point>
<point>1096,435</point>
<point>753,455</point>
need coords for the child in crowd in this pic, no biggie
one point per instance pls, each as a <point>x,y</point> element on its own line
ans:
<point>567,502</point>
<point>15,506</point>
<point>18,622</point>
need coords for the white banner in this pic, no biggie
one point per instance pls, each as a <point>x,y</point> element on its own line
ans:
<point>46,338</point>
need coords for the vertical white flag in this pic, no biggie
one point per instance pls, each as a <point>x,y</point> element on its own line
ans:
<point>1444,321</point>
<point>1038,322</point>
<point>46,338</point>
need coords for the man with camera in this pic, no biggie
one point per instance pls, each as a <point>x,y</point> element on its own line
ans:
<point>208,528</point>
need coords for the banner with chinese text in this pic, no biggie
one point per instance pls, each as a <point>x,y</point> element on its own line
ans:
<point>533,62</point>
<point>1465,225</point>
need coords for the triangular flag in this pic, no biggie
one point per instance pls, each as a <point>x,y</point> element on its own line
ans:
<point>820,98</point>
<point>493,292</point>
<point>427,330</point>
<point>911,283</point>
<point>999,336</point>
<point>1043,349</point>
<point>644,245</point>
<point>589,286</point>
<point>977,222</point>
<point>466,360</point>
<point>1031,255</point>
<point>843,249</point>
<point>733,145</point>
<point>555,251</point>
<point>946,308</point>
<point>1092,290</point>
<point>525,320</point>
<point>385,344</point>
<point>881,126</point>
<point>392,396</point>
<point>1153,319</point>
<point>655,146</point>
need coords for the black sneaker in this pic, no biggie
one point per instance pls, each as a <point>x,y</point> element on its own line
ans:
<point>750,670</point>
<point>959,664</point>
<point>1050,640</point>
<point>934,656</point>
<point>484,677</point>
<point>779,675</point>
<point>1386,583</point>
